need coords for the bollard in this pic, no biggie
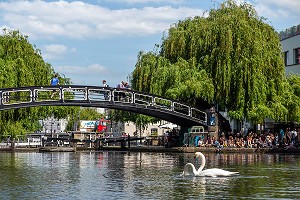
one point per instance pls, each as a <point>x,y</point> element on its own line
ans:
<point>128,141</point>
<point>13,145</point>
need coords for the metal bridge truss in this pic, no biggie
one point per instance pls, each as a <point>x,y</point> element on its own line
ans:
<point>93,96</point>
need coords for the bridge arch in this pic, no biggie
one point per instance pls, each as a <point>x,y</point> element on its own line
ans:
<point>104,97</point>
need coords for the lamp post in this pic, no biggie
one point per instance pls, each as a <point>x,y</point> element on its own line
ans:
<point>64,82</point>
<point>52,127</point>
<point>76,121</point>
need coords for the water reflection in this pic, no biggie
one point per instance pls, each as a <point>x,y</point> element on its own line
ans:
<point>128,175</point>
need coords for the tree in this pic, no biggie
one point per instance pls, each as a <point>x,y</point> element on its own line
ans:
<point>231,58</point>
<point>21,64</point>
<point>291,98</point>
<point>90,114</point>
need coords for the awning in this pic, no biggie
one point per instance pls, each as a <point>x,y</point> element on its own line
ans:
<point>168,126</point>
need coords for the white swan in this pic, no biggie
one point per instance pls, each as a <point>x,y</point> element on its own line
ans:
<point>214,172</point>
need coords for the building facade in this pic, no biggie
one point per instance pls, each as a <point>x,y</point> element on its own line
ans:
<point>153,129</point>
<point>290,43</point>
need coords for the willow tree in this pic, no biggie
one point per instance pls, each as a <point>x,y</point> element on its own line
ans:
<point>180,80</point>
<point>21,64</point>
<point>291,97</point>
<point>231,58</point>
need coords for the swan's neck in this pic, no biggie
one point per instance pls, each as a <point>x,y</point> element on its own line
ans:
<point>202,163</point>
<point>195,172</point>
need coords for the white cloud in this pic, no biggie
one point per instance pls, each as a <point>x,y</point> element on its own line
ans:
<point>81,20</point>
<point>84,71</point>
<point>148,1</point>
<point>281,14</point>
<point>278,9</point>
<point>291,5</point>
<point>266,11</point>
<point>55,51</point>
<point>91,74</point>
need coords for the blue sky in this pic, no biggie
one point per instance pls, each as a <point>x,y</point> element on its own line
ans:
<point>89,41</point>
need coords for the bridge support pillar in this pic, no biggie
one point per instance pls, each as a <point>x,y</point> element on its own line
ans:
<point>213,128</point>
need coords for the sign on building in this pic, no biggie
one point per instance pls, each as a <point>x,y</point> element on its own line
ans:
<point>87,125</point>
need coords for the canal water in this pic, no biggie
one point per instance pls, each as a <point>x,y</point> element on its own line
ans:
<point>134,175</point>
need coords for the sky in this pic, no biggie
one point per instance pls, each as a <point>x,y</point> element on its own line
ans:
<point>88,41</point>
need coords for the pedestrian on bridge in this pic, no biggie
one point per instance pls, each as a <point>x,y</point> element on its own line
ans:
<point>54,81</point>
<point>104,83</point>
<point>121,85</point>
<point>105,93</point>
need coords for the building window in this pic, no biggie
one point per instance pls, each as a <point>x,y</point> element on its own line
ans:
<point>154,131</point>
<point>297,56</point>
<point>286,57</point>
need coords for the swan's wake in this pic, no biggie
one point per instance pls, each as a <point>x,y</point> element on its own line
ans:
<point>189,169</point>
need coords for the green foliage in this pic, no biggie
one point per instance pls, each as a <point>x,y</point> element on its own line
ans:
<point>90,114</point>
<point>259,113</point>
<point>231,58</point>
<point>291,97</point>
<point>21,64</point>
<point>78,114</point>
<point>181,80</point>
<point>142,121</point>
<point>13,129</point>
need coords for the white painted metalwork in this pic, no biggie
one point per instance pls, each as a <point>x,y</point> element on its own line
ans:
<point>16,97</point>
<point>103,96</point>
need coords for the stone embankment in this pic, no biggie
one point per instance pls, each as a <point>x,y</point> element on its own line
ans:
<point>159,149</point>
<point>204,149</point>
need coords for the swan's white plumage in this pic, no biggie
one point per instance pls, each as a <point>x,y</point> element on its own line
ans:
<point>214,172</point>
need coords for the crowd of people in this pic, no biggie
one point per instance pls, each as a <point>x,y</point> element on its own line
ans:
<point>285,139</point>
<point>121,85</point>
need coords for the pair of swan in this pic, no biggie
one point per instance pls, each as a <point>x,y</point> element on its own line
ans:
<point>214,172</point>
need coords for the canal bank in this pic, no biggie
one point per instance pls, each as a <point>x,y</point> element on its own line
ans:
<point>158,149</point>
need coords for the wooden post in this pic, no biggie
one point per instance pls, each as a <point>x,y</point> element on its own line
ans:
<point>123,144</point>
<point>13,145</point>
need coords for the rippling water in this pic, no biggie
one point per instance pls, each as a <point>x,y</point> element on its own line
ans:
<point>124,175</point>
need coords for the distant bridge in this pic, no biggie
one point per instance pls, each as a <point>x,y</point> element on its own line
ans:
<point>103,97</point>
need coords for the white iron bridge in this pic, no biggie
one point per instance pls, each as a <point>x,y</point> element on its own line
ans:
<point>103,97</point>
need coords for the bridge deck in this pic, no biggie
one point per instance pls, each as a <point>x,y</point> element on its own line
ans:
<point>113,98</point>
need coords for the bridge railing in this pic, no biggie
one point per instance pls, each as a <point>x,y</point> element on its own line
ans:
<point>143,99</point>
<point>94,94</point>
<point>99,94</point>
<point>124,96</point>
<point>42,94</point>
<point>163,103</point>
<point>16,96</point>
